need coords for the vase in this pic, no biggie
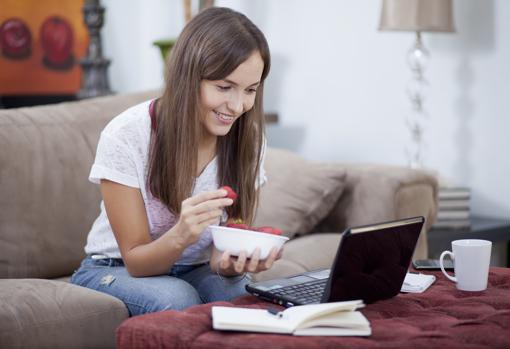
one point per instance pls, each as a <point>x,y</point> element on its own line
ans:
<point>164,46</point>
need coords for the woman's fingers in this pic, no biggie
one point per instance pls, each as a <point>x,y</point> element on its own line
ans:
<point>280,254</point>
<point>240,263</point>
<point>211,221</point>
<point>200,211</point>
<point>225,260</point>
<point>254,261</point>
<point>206,216</point>
<point>253,264</point>
<point>206,196</point>
<point>268,262</point>
<point>210,205</point>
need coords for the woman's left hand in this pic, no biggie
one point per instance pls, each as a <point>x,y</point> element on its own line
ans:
<point>231,265</point>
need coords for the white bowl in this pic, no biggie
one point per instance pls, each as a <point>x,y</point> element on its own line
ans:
<point>236,240</point>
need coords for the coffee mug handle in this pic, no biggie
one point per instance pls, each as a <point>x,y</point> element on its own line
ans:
<point>452,278</point>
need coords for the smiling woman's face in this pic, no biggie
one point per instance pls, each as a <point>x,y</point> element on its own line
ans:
<point>224,101</point>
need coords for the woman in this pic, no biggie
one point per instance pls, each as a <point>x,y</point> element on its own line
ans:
<point>160,164</point>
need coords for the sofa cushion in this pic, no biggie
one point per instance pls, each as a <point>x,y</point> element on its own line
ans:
<point>281,268</point>
<point>305,253</point>
<point>37,313</point>
<point>47,204</point>
<point>376,193</point>
<point>298,193</point>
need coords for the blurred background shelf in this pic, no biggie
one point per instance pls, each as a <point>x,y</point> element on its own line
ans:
<point>496,230</point>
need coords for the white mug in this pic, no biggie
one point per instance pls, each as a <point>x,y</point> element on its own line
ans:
<point>471,259</point>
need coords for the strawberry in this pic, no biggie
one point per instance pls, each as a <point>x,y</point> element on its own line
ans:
<point>231,194</point>
<point>238,226</point>
<point>268,230</point>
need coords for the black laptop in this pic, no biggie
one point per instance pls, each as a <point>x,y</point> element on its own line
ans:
<point>370,264</point>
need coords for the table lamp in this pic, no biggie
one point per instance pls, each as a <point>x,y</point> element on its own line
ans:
<point>417,16</point>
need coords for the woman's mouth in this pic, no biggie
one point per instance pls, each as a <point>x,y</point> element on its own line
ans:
<point>224,118</point>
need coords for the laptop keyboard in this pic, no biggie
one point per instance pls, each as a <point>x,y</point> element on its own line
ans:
<point>307,293</point>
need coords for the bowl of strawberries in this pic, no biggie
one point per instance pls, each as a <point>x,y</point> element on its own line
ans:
<point>237,237</point>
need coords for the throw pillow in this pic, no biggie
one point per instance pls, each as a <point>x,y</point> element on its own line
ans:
<point>299,193</point>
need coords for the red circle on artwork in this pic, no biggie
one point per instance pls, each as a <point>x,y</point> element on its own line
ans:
<point>57,39</point>
<point>15,38</point>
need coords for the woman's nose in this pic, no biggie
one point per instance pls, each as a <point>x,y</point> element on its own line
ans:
<point>235,104</point>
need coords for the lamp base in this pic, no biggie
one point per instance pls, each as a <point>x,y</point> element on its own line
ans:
<point>417,58</point>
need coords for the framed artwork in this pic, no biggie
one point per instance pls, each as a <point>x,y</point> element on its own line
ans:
<point>41,44</point>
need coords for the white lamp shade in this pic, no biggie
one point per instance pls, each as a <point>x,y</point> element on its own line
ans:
<point>417,15</point>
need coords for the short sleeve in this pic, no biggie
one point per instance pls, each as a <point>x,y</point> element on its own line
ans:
<point>115,162</point>
<point>262,179</point>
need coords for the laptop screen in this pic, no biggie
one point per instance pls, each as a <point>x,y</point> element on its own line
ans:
<point>372,261</point>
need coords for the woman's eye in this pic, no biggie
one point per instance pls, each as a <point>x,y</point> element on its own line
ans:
<point>252,90</point>
<point>223,88</point>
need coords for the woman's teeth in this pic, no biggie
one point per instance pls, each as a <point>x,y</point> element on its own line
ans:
<point>223,116</point>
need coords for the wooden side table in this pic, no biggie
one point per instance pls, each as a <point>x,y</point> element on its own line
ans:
<point>496,230</point>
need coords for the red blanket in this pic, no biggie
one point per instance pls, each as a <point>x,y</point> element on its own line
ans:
<point>442,317</point>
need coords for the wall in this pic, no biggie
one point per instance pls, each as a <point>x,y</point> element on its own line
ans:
<point>338,83</point>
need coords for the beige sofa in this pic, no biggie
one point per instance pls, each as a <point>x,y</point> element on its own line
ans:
<point>47,206</point>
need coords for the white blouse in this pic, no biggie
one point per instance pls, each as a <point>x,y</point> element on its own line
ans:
<point>122,157</point>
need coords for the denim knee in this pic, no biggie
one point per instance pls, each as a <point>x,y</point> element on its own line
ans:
<point>211,287</point>
<point>178,295</point>
<point>141,295</point>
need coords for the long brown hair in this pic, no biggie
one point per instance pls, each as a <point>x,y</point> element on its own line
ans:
<point>211,46</point>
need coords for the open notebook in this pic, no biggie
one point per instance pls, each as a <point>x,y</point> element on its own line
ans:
<point>327,319</point>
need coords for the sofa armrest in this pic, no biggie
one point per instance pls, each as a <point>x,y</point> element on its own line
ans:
<point>377,193</point>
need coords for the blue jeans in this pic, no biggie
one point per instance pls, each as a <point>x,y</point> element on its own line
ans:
<point>184,286</point>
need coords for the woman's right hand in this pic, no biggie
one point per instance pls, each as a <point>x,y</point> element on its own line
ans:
<point>198,212</point>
